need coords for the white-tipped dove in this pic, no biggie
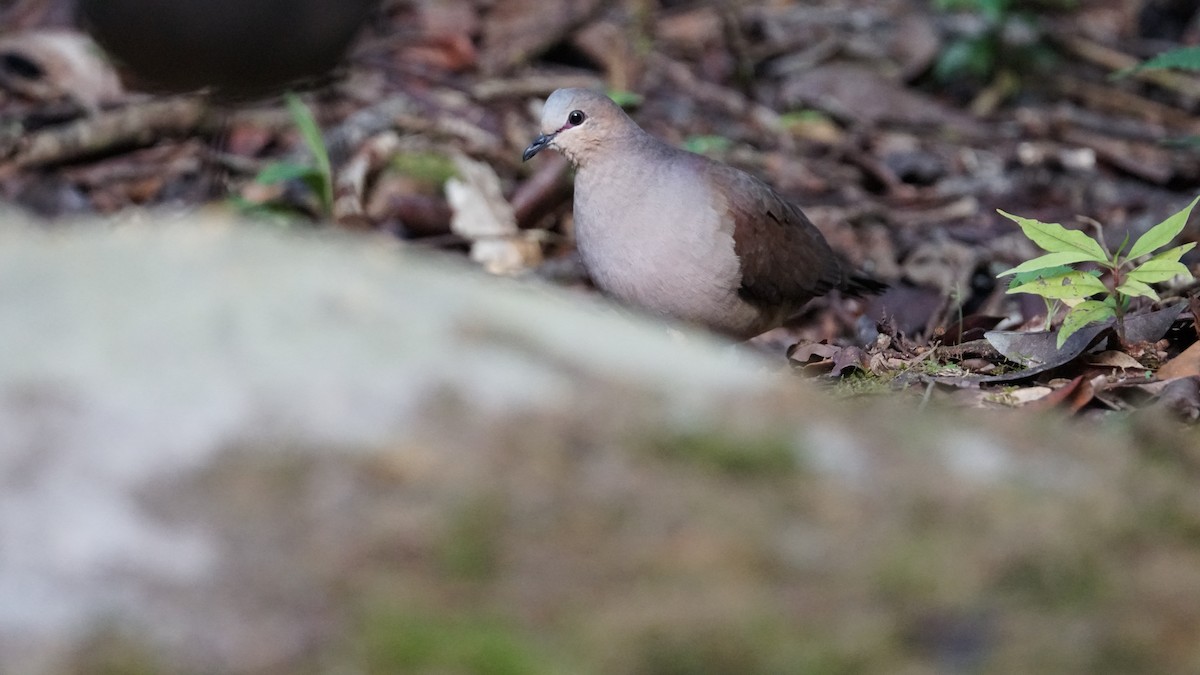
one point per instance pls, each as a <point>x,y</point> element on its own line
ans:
<point>681,235</point>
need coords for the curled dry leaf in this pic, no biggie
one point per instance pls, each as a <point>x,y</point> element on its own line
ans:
<point>830,359</point>
<point>812,352</point>
<point>55,65</point>
<point>482,216</point>
<point>1116,359</point>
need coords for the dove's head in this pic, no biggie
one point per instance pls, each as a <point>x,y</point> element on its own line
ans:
<point>580,123</point>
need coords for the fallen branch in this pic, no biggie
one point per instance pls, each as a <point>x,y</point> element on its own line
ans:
<point>402,113</point>
<point>130,126</point>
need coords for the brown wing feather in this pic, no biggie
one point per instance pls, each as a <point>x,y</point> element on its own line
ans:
<point>785,260</point>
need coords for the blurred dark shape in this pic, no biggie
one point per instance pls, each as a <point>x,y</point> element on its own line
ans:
<point>236,47</point>
<point>1166,19</point>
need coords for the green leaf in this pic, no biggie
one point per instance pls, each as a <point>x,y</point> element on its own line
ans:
<point>306,124</point>
<point>1048,261</point>
<point>1055,238</point>
<point>316,184</point>
<point>1026,277</point>
<point>1086,312</point>
<point>626,99</point>
<point>1121,249</point>
<point>1069,285</point>
<point>1173,254</point>
<point>1162,234</point>
<point>276,213</point>
<point>1186,58</point>
<point>1163,267</point>
<point>1134,288</point>
<point>278,172</point>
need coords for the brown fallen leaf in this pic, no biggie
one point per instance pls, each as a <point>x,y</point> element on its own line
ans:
<point>814,358</point>
<point>1187,364</point>
<point>849,357</point>
<point>1085,393</point>
<point>819,357</point>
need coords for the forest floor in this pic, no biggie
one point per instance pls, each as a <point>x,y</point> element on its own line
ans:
<point>900,127</point>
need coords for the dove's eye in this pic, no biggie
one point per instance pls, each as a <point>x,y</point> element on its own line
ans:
<point>576,117</point>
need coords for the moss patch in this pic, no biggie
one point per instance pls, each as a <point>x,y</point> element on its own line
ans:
<point>741,456</point>
<point>401,641</point>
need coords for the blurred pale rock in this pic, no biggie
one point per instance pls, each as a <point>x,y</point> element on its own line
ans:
<point>139,356</point>
<point>229,449</point>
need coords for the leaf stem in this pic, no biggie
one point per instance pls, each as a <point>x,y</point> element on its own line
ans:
<point>1095,225</point>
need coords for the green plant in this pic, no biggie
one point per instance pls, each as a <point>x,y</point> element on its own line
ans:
<point>1006,38</point>
<point>975,54</point>
<point>751,456</point>
<point>403,640</point>
<point>316,175</point>
<point>1119,277</point>
<point>1184,58</point>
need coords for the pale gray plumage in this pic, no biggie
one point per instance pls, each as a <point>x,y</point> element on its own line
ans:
<point>681,235</point>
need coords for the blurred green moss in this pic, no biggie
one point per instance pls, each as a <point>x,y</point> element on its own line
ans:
<point>401,641</point>
<point>742,456</point>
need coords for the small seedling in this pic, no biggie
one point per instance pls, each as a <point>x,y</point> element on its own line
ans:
<point>1119,279</point>
<point>317,176</point>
